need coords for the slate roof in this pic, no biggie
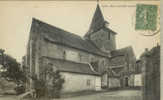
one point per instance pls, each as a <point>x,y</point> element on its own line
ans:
<point>60,36</point>
<point>98,22</point>
<point>123,51</point>
<point>74,67</point>
<point>118,69</point>
<point>123,55</point>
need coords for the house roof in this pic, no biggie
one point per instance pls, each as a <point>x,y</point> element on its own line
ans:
<point>155,51</point>
<point>118,69</point>
<point>73,67</point>
<point>123,55</point>
<point>60,36</point>
<point>117,61</point>
<point>127,51</point>
<point>122,51</point>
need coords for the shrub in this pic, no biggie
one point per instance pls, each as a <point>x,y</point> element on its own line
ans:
<point>20,89</point>
<point>57,84</point>
<point>43,89</point>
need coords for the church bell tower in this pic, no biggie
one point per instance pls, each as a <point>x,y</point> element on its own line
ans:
<point>99,33</point>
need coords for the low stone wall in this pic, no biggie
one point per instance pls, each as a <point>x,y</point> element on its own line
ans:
<point>80,82</point>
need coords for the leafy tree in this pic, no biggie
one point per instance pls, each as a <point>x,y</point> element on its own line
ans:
<point>42,86</point>
<point>39,86</point>
<point>57,84</point>
<point>13,71</point>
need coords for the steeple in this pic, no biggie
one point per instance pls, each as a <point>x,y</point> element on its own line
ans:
<point>97,21</point>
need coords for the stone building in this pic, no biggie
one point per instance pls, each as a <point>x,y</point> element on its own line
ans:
<point>88,58</point>
<point>120,72</point>
<point>151,73</point>
<point>138,74</point>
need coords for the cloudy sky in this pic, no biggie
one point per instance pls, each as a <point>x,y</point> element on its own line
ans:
<point>75,17</point>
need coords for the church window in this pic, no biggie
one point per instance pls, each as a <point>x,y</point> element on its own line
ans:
<point>64,54</point>
<point>80,57</point>
<point>88,82</point>
<point>108,35</point>
<point>95,65</point>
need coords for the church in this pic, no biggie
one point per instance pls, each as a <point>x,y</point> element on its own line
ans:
<point>91,62</point>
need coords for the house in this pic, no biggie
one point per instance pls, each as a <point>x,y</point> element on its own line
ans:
<point>121,68</point>
<point>76,75</point>
<point>138,74</point>
<point>81,60</point>
<point>151,73</point>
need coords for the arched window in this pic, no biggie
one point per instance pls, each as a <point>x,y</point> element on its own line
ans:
<point>95,65</point>
<point>108,35</point>
<point>64,54</point>
<point>126,81</point>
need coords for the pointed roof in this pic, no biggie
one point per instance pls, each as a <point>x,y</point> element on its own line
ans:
<point>97,21</point>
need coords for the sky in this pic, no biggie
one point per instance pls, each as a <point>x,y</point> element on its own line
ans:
<point>75,17</point>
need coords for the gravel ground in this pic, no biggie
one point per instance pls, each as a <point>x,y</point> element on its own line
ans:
<point>114,95</point>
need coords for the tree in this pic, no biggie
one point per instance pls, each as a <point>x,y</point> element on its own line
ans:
<point>57,84</point>
<point>50,85</point>
<point>13,71</point>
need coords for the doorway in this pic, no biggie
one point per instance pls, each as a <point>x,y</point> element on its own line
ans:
<point>126,81</point>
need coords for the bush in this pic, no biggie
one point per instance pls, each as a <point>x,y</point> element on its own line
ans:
<point>20,89</point>
<point>39,87</point>
<point>57,84</point>
<point>42,86</point>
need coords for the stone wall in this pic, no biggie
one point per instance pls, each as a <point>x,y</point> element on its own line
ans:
<point>151,74</point>
<point>104,40</point>
<point>75,82</point>
<point>39,47</point>
<point>63,52</point>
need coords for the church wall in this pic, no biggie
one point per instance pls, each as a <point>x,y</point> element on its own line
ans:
<point>112,41</point>
<point>74,81</point>
<point>38,55</point>
<point>61,52</point>
<point>104,40</point>
<point>33,55</point>
<point>51,50</point>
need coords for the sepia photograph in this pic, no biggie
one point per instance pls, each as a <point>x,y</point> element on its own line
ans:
<point>80,50</point>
